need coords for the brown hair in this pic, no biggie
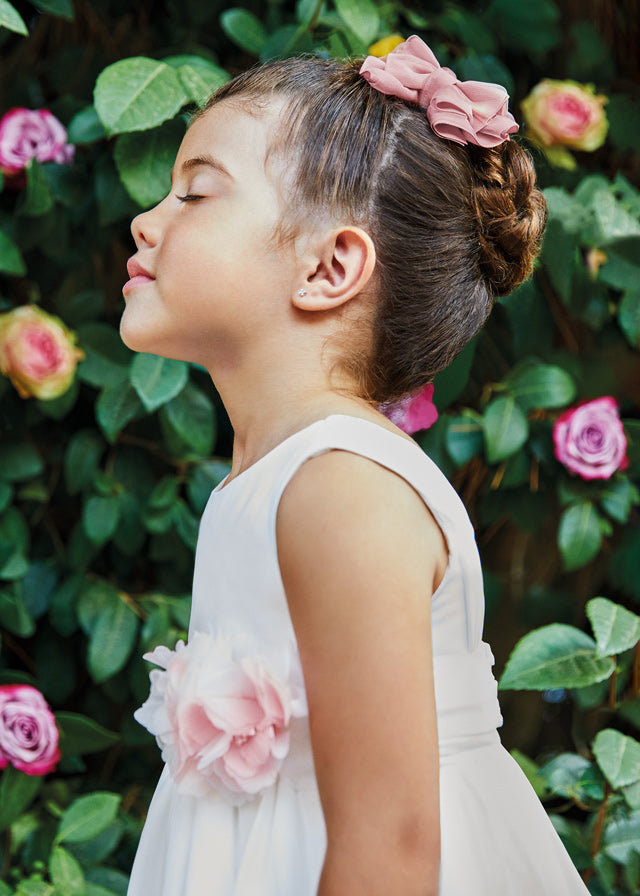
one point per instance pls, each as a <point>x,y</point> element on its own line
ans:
<point>454,226</point>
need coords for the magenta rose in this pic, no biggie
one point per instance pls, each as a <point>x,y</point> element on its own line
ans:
<point>28,733</point>
<point>220,716</point>
<point>416,411</point>
<point>37,352</point>
<point>27,134</point>
<point>589,439</point>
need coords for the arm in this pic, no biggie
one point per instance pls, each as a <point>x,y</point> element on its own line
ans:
<point>360,556</point>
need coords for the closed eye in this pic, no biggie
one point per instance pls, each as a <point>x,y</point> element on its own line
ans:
<point>189,197</point>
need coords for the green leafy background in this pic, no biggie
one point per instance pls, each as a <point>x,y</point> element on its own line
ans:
<point>101,489</point>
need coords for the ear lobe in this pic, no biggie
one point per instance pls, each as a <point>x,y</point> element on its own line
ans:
<point>343,267</point>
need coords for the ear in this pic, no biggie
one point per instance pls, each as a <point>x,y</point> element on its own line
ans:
<point>339,269</point>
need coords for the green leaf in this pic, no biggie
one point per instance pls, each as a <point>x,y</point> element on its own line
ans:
<point>191,416</point>
<point>144,161</point>
<point>619,497</point>
<point>555,656</point>
<point>107,358</point>
<point>117,405</point>
<point>616,628</point>
<point>66,873</point>
<point>136,94</point>
<point>11,261</point>
<point>621,837</point>
<point>532,27</point>
<point>536,385</point>
<point>112,639</point>
<point>558,258</point>
<point>629,315</point>
<point>485,67</point>
<point>17,792</point>
<point>61,8</point>
<point>450,382</point>
<point>81,459</point>
<point>199,77</point>
<point>100,517</point>
<point>38,198</point>
<point>11,19</point>
<point>85,127</point>
<point>579,534</point>
<point>612,220</point>
<point>505,428</point>
<point>618,756</point>
<point>573,776</point>
<point>158,380</point>
<point>19,461</point>
<point>244,29</point>
<point>361,17</point>
<point>87,816</point>
<point>464,439</point>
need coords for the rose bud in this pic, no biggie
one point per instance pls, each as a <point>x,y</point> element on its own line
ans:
<point>37,352</point>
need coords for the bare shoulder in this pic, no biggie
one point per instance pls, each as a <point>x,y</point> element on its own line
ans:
<point>341,502</point>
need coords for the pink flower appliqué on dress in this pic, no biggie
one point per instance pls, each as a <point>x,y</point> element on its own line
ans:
<point>221,716</point>
<point>413,413</point>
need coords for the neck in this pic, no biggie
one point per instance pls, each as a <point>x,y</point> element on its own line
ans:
<point>268,402</point>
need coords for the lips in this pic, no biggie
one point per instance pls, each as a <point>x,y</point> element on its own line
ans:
<point>137,274</point>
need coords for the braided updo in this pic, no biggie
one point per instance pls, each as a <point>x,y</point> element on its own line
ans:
<point>454,226</point>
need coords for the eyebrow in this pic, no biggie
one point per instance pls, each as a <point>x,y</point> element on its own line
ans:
<point>203,161</point>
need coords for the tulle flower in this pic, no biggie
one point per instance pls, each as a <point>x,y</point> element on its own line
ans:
<point>413,413</point>
<point>221,714</point>
<point>461,111</point>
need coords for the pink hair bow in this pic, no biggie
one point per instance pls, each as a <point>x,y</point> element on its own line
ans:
<point>462,111</point>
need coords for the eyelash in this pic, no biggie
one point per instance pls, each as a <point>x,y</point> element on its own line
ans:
<point>189,197</point>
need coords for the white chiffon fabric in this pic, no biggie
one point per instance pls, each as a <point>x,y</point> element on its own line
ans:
<point>496,837</point>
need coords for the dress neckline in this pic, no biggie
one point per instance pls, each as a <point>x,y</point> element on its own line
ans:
<point>227,483</point>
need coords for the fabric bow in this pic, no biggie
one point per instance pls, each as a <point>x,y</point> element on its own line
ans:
<point>461,111</point>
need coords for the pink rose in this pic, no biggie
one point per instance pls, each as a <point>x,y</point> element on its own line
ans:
<point>27,134</point>
<point>413,413</point>
<point>220,716</point>
<point>37,352</point>
<point>28,733</point>
<point>563,114</point>
<point>589,439</point>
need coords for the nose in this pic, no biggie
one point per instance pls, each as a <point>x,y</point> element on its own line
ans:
<point>145,228</point>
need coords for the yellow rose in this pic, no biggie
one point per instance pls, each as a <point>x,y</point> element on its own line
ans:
<point>386,45</point>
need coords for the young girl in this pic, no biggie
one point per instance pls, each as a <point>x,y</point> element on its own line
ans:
<point>334,235</point>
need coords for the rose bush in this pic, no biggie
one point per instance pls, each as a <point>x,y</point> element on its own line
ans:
<point>37,352</point>
<point>589,439</point>
<point>27,134</point>
<point>220,716</point>
<point>415,412</point>
<point>561,114</point>
<point>28,733</point>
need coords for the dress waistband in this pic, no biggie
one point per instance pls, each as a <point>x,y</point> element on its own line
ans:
<point>466,698</point>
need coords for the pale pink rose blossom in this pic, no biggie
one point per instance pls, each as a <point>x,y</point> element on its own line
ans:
<point>589,439</point>
<point>27,134</point>
<point>413,413</point>
<point>37,352</point>
<point>220,716</point>
<point>565,113</point>
<point>28,733</point>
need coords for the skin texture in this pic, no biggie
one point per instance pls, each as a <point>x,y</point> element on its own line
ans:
<point>360,554</point>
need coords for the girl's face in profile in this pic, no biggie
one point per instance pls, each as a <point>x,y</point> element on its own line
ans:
<point>207,277</point>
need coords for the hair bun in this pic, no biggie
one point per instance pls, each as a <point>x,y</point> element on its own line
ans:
<point>511,214</point>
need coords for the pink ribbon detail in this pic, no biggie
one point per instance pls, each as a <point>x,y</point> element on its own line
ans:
<point>462,111</point>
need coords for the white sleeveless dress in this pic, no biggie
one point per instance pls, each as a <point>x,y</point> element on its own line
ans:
<point>496,837</point>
